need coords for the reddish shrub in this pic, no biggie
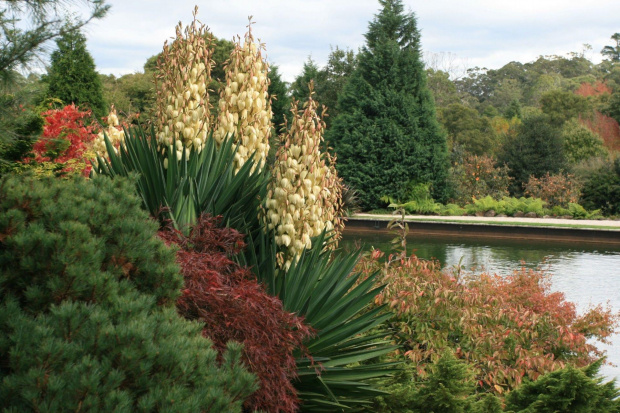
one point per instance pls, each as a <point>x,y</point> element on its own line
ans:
<point>505,328</point>
<point>560,189</point>
<point>233,306</point>
<point>64,139</point>
<point>478,177</point>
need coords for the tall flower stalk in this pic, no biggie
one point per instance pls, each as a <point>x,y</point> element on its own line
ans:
<point>245,108</point>
<point>184,73</point>
<point>305,195</point>
<point>115,134</point>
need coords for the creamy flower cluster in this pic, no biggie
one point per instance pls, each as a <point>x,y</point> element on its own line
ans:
<point>115,134</point>
<point>245,108</point>
<point>303,199</point>
<point>184,73</point>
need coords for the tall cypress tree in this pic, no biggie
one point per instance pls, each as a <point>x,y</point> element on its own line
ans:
<point>72,77</point>
<point>386,134</point>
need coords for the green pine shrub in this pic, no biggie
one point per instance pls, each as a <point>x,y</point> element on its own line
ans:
<point>87,296</point>
<point>569,390</point>
<point>448,388</point>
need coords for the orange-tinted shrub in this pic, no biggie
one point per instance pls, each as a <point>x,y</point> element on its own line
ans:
<point>556,190</point>
<point>65,138</point>
<point>477,177</point>
<point>505,328</point>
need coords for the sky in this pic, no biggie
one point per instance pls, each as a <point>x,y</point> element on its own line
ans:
<point>455,34</point>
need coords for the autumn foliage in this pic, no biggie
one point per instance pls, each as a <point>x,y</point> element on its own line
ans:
<point>606,127</point>
<point>506,328</point>
<point>233,306</point>
<point>65,139</point>
<point>477,176</point>
<point>593,89</point>
<point>556,190</point>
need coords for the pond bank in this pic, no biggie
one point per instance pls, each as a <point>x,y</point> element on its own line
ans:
<point>591,231</point>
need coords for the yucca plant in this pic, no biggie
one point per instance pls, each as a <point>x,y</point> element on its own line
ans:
<point>335,367</point>
<point>245,106</point>
<point>182,189</point>
<point>304,197</point>
<point>113,131</point>
<point>182,80</point>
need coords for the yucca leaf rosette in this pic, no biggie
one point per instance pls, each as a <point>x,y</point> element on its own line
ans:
<point>245,108</point>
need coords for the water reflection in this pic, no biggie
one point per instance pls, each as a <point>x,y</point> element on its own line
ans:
<point>587,274</point>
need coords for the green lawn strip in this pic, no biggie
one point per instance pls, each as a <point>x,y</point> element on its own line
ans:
<point>504,223</point>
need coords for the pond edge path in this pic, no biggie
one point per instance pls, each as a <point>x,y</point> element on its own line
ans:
<point>552,229</point>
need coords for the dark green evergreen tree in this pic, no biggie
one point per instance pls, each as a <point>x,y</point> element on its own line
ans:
<point>386,134</point>
<point>537,149</point>
<point>278,92</point>
<point>328,80</point>
<point>72,77</point>
<point>310,72</point>
<point>87,308</point>
<point>340,66</point>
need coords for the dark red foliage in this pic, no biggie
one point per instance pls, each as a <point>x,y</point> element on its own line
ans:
<point>233,306</point>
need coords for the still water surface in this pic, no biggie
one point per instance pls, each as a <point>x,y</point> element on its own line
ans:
<point>587,274</point>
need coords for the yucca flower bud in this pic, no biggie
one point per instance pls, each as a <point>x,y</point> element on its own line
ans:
<point>184,73</point>
<point>304,196</point>
<point>115,134</point>
<point>245,108</point>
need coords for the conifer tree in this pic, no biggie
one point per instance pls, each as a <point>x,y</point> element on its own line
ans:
<point>386,134</point>
<point>72,77</point>
<point>87,308</point>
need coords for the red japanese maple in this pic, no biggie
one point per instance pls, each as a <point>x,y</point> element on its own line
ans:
<point>233,306</point>
<point>64,138</point>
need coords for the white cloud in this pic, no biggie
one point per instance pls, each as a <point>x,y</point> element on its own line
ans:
<point>482,32</point>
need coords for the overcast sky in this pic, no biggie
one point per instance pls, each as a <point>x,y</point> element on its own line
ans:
<point>485,33</point>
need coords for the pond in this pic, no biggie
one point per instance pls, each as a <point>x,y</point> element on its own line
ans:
<point>587,274</point>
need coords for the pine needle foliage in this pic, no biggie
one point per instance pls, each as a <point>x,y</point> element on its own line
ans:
<point>87,308</point>
<point>386,134</point>
<point>72,75</point>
